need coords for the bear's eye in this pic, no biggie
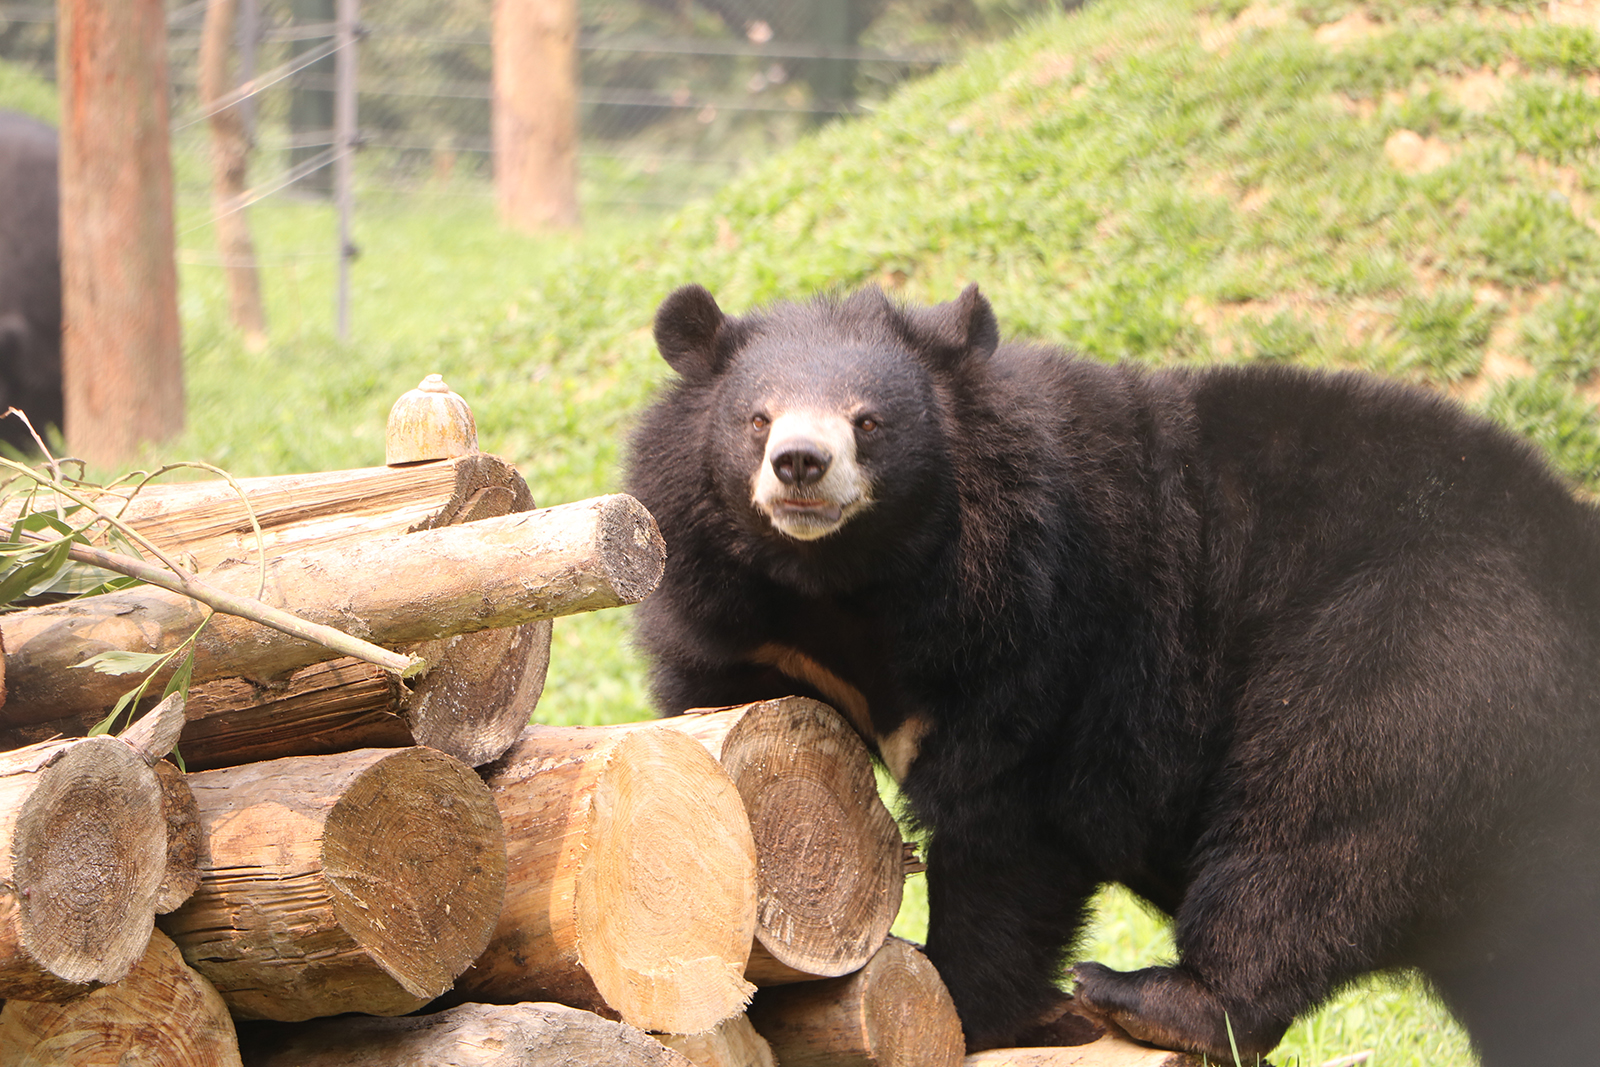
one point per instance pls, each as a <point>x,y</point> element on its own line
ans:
<point>759,423</point>
<point>867,423</point>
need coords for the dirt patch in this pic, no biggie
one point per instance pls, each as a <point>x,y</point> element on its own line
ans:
<point>1478,91</point>
<point>1574,13</point>
<point>1353,27</point>
<point>1411,153</point>
<point>1255,17</point>
<point>1053,68</point>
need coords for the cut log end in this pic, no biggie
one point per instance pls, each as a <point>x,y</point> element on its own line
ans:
<point>894,1011</point>
<point>89,852</point>
<point>161,1013</point>
<point>480,690</point>
<point>185,842</point>
<point>632,879</point>
<point>631,549</point>
<point>831,872</point>
<point>363,881</point>
<point>416,906</point>
<point>661,949</point>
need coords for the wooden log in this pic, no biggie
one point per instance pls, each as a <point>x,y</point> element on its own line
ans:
<point>830,858</point>
<point>205,520</point>
<point>631,879</point>
<point>472,1035</point>
<point>186,845</point>
<point>495,572</point>
<point>363,881</point>
<point>893,1011</point>
<point>1110,1050</point>
<point>733,1043</point>
<point>477,694</point>
<point>163,1013</point>
<point>83,848</point>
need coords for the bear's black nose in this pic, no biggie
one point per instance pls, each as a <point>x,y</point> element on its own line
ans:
<point>800,462</point>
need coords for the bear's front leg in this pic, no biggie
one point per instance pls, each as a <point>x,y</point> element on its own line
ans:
<point>999,923</point>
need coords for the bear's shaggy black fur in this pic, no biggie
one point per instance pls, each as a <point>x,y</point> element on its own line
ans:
<point>1308,661</point>
<point>30,278</point>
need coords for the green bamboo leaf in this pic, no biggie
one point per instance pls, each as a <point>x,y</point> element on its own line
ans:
<point>117,661</point>
<point>104,725</point>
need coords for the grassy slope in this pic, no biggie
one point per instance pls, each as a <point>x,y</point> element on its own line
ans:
<point>1403,189</point>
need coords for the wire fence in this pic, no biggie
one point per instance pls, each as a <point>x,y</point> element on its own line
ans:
<point>674,99</point>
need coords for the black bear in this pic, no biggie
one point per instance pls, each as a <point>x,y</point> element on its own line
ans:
<point>30,278</point>
<point>1308,661</point>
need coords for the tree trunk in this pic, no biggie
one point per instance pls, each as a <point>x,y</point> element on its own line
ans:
<point>364,881</point>
<point>1112,1050</point>
<point>894,1011</point>
<point>230,161</point>
<point>390,590</point>
<point>472,1035</point>
<point>83,849</point>
<point>186,846</point>
<point>536,112</point>
<point>830,855</point>
<point>733,1043</point>
<point>162,1013</point>
<point>121,358</point>
<point>631,879</point>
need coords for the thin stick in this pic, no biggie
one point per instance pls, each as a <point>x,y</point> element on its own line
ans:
<point>181,581</point>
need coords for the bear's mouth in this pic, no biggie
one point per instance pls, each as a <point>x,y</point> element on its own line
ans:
<point>814,510</point>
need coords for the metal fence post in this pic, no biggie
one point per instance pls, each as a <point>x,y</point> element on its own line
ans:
<point>345,139</point>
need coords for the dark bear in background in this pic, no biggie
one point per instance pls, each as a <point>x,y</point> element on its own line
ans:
<point>30,278</point>
<point>1307,661</point>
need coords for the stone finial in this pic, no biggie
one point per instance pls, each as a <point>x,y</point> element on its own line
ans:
<point>429,422</point>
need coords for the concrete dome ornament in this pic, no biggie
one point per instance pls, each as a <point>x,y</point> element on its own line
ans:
<point>429,422</point>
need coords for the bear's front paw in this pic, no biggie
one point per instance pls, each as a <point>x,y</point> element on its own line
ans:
<point>1168,1008</point>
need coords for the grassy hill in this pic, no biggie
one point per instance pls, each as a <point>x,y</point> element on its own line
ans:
<point>1404,188</point>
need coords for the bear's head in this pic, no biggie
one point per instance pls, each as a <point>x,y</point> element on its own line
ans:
<point>822,424</point>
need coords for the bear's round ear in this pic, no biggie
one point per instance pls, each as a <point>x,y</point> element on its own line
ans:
<point>687,324</point>
<point>958,330</point>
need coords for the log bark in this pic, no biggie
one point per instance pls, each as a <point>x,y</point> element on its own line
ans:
<point>205,522</point>
<point>733,1043</point>
<point>230,161</point>
<point>631,879</point>
<point>186,845</point>
<point>162,1013</point>
<point>364,881</point>
<point>894,1011</point>
<point>829,853</point>
<point>472,1035</point>
<point>392,591</point>
<point>83,850</point>
<point>1111,1050</point>
<point>121,357</point>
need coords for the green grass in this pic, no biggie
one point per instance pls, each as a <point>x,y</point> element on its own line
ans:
<point>1170,181</point>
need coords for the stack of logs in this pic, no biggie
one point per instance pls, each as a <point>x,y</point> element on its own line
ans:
<point>479,890</point>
